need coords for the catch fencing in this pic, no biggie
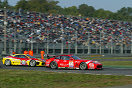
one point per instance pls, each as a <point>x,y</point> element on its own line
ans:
<point>64,48</point>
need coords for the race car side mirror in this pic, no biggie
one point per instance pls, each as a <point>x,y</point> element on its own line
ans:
<point>71,59</point>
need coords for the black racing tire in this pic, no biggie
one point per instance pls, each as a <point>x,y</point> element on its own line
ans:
<point>32,63</point>
<point>7,62</point>
<point>53,65</point>
<point>83,66</point>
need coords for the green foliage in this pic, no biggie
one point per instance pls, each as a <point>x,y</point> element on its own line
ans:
<point>125,11</point>
<point>86,10</point>
<point>1,4</point>
<point>4,4</point>
<point>71,11</point>
<point>22,4</point>
<point>125,14</point>
<point>38,5</point>
<point>118,63</point>
<point>50,6</point>
<point>101,13</point>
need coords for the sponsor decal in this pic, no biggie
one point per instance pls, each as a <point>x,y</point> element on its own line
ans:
<point>57,60</point>
<point>71,64</point>
<point>14,60</point>
<point>62,64</point>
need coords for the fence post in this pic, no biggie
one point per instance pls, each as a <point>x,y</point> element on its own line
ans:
<point>5,24</point>
<point>111,43</point>
<point>131,42</point>
<point>89,43</point>
<point>62,46</point>
<point>121,48</point>
<point>100,48</point>
<point>76,43</point>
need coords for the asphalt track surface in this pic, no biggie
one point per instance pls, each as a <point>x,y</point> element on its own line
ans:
<point>104,71</point>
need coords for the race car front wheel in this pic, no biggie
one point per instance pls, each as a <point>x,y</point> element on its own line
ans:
<point>83,66</point>
<point>32,63</point>
<point>7,62</point>
<point>53,65</point>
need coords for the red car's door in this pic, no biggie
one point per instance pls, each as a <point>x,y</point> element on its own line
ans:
<point>65,61</point>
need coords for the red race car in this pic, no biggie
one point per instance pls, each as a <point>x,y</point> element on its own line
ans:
<point>71,61</point>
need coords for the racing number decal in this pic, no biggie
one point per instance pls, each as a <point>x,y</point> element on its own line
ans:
<point>23,62</point>
<point>71,64</point>
<point>91,66</point>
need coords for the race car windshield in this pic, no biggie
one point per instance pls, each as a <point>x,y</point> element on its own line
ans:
<point>75,57</point>
<point>30,56</point>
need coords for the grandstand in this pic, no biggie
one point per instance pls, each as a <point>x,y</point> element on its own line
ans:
<point>59,34</point>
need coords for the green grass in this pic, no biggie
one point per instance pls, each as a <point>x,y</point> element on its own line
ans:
<point>41,79</point>
<point>116,63</point>
<point>119,64</point>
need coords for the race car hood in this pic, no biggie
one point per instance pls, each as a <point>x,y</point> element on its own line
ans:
<point>83,60</point>
<point>89,61</point>
<point>8,56</point>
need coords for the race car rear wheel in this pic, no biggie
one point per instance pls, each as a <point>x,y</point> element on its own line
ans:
<point>83,66</point>
<point>53,65</point>
<point>7,62</point>
<point>32,63</point>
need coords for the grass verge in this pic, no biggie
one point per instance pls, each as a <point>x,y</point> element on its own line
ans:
<point>41,79</point>
<point>116,63</point>
<point>119,64</point>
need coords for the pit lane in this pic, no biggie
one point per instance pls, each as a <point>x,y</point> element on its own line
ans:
<point>104,71</point>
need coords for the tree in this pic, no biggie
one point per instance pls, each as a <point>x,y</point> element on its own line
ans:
<point>5,3</point>
<point>53,7</point>
<point>125,11</point>
<point>23,4</point>
<point>38,5</point>
<point>124,14</point>
<point>71,11</point>
<point>1,4</point>
<point>86,10</point>
<point>101,13</point>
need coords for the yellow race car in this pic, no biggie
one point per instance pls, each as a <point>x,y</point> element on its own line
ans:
<point>22,59</point>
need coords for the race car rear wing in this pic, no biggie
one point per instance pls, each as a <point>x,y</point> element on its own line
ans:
<point>49,56</point>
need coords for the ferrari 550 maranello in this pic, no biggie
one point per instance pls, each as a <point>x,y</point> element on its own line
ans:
<point>71,61</point>
<point>22,59</point>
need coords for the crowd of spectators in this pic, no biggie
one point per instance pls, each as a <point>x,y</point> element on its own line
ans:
<point>41,27</point>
